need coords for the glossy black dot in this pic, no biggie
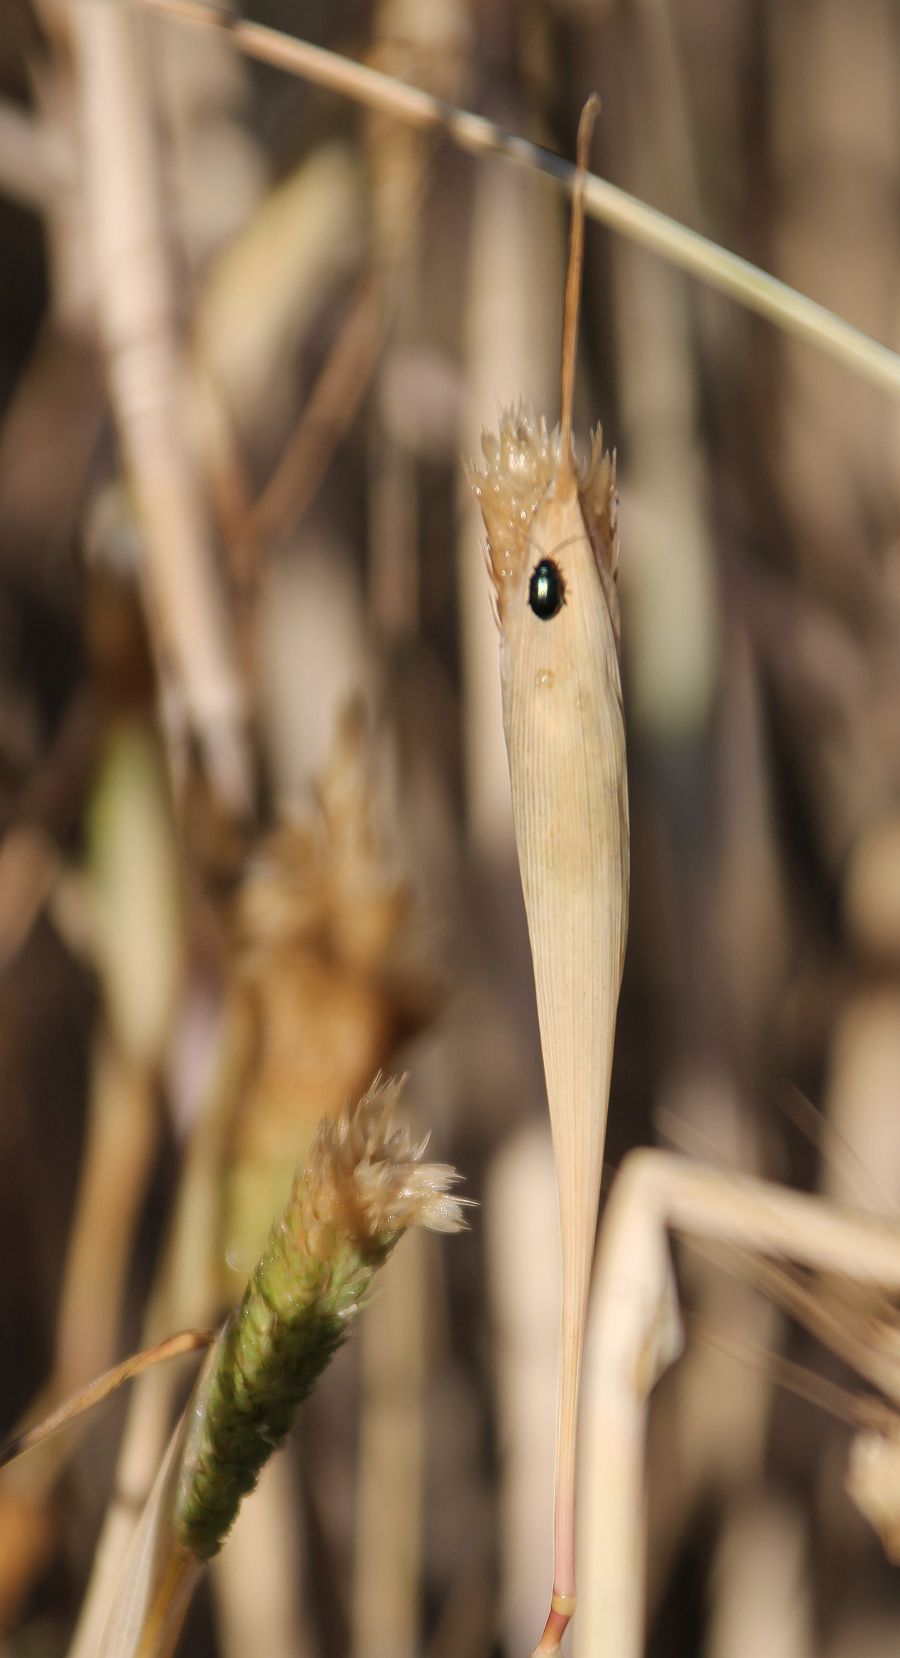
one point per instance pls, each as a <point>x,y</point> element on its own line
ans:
<point>546,591</point>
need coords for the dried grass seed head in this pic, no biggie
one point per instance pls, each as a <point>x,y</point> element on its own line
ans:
<point>365,1179</point>
<point>364,1184</point>
<point>328,881</point>
<point>527,468</point>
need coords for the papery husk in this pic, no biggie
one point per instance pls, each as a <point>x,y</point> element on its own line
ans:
<point>562,713</point>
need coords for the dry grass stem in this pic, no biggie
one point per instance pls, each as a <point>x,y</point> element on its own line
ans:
<point>684,248</point>
<point>188,1341</point>
<point>332,403</point>
<point>148,382</point>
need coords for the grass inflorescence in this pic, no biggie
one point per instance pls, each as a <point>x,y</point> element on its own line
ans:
<point>363,1186</point>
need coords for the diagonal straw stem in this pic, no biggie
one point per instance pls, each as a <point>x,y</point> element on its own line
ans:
<point>683,248</point>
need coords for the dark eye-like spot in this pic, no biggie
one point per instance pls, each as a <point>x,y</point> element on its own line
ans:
<point>546,589</point>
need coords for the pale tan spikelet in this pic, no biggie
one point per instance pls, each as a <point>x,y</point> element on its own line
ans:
<point>526,470</point>
<point>365,1173</point>
<point>521,464</point>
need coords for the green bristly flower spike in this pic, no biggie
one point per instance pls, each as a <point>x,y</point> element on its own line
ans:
<point>363,1186</point>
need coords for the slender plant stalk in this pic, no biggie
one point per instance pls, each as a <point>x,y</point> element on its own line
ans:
<point>158,1576</point>
<point>160,1634</point>
<point>148,383</point>
<point>187,1341</point>
<point>684,248</point>
<point>147,1426</point>
<point>333,401</point>
<point>552,552</point>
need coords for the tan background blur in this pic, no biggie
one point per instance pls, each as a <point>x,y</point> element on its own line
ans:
<point>259,514</point>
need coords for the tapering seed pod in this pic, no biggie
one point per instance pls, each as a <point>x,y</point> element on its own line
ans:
<point>552,554</point>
